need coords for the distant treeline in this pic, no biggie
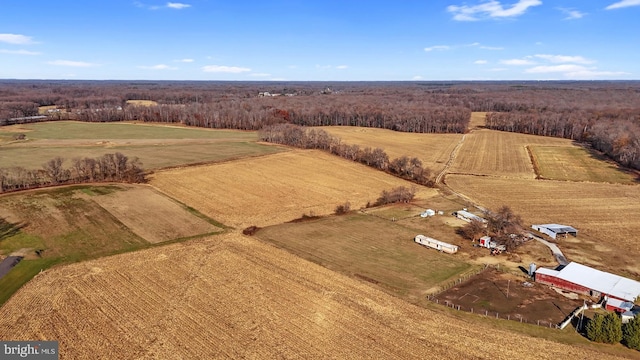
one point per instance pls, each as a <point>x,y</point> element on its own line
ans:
<point>605,113</point>
<point>614,132</point>
<point>107,168</point>
<point>308,138</point>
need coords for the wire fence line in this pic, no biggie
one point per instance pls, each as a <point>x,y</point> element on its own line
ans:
<point>479,310</point>
<point>492,314</point>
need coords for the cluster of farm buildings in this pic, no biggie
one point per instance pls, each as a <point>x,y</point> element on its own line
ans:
<point>617,293</point>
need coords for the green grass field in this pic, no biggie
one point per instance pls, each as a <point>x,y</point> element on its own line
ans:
<point>119,130</point>
<point>369,248</point>
<point>70,225</point>
<point>152,156</point>
<point>156,146</point>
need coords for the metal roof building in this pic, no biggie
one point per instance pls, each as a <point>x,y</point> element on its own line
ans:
<point>467,216</point>
<point>583,279</point>
<point>554,230</point>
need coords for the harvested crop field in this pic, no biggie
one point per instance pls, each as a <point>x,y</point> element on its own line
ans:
<point>478,120</point>
<point>432,149</point>
<point>152,216</point>
<point>142,102</point>
<point>606,215</point>
<point>276,188</point>
<point>579,164</point>
<point>76,223</point>
<point>497,153</point>
<point>234,297</point>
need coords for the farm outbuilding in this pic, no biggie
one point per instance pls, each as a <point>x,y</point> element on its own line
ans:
<point>630,315</point>
<point>554,230</point>
<point>582,279</point>
<point>467,216</point>
<point>619,306</point>
<point>436,244</point>
<point>428,213</point>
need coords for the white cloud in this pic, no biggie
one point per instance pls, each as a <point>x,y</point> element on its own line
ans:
<point>19,52</point>
<point>342,67</point>
<point>417,77</point>
<point>184,60</point>
<point>480,62</point>
<point>517,62</point>
<point>158,67</point>
<point>589,74</point>
<point>564,59</point>
<point>574,71</point>
<point>452,47</point>
<point>623,4</point>
<point>323,66</point>
<point>16,39</point>
<point>437,47</point>
<point>491,9</point>
<point>224,69</point>
<point>491,47</point>
<point>71,63</point>
<point>178,6</point>
<point>169,5</point>
<point>564,68</point>
<point>572,14</point>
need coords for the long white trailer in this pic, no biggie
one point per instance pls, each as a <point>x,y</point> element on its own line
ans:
<point>436,244</point>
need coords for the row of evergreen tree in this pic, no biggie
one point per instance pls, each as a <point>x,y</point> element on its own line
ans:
<point>609,329</point>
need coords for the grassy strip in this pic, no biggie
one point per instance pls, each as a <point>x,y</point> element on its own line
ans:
<point>21,274</point>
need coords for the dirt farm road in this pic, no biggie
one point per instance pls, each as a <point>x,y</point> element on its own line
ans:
<point>555,250</point>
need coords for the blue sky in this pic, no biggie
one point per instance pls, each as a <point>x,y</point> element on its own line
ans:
<point>300,40</point>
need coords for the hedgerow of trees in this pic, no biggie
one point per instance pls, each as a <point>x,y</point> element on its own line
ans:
<point>396,195</point>
<point>293,135</point>
<point>115,167</point>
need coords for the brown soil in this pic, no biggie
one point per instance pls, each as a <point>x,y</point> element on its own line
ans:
<point>492,292</point>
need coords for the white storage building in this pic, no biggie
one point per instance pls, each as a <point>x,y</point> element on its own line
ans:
<point>436,244</point>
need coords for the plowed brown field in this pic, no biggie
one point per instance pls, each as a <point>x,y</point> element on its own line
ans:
<point>432,149</point>
<point>276,188</point>
<point>234,297</point>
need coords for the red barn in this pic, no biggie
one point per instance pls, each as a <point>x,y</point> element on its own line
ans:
<point>589,281</point>
<point>618,305</point>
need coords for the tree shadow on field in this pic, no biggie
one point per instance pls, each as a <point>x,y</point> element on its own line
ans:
<point>601,156</point>
<point>8,229</point>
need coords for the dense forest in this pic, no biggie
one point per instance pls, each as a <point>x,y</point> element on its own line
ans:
<point>604,114</point>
